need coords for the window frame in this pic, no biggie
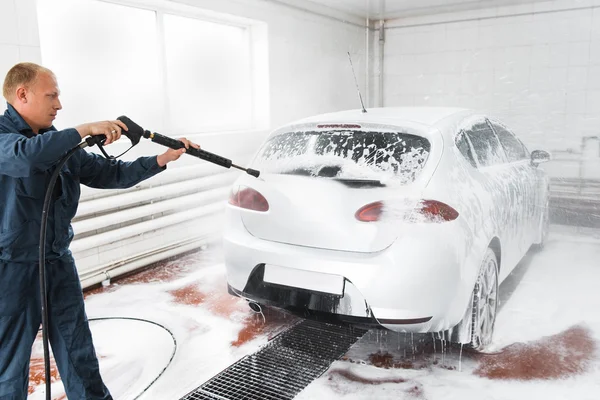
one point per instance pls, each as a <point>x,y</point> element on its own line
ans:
<point>475,121</point>
<point>473,162</point>
<point>511,133</point>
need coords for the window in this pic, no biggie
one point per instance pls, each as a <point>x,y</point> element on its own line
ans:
<point>169,73</point>
<point>345,153</point>
<point>486,145</point>
<point>104,70</point>
<point>465,148</point>
<point>208,74</point>
<point>514,149</point>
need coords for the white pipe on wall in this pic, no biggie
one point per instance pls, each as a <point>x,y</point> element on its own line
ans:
<point>367,63</point>
<point>116,235</point>
<point>381,50</point>
<point>177,203</point>
<point>172,175</point>
<point>137,261</point>
<point>160,192</point>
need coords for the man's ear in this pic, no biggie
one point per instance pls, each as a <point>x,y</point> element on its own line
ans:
<point>21,94</point>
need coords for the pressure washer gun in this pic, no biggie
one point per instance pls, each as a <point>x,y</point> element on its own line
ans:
<point>136,132</point>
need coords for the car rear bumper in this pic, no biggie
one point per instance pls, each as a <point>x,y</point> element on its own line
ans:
<point>298,302</point>
<point>392,288</point>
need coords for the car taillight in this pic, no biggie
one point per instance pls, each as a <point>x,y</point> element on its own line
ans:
<point>249,199</point>
<point>431,210</point>
<point>436,210</point>
<point>370,213</point>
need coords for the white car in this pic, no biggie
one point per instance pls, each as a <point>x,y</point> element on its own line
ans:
<point>406,218</point>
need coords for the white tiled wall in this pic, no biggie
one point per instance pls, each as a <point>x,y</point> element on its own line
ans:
<point>19,38</point>
<point>537,66</point>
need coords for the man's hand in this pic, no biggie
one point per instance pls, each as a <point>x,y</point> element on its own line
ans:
<point>110,129</point>
<point>172,155</point>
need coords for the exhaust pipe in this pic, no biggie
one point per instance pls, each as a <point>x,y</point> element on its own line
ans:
<point>255,306</point>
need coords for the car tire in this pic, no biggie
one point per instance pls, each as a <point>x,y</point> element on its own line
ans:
<point>484,304</point>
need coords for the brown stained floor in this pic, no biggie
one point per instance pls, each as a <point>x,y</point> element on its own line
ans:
<point>413,388</point>
<point>389,361</point>
<point>162,271</point>
<point>37,374</point>
<point>167,270</point>
<point>386,360</point>
<point>254,325</point>
<point>390,350</point>
<point>216,299</point>
<point>562,355</point>
<point>565,354</point>
<point>189,295</point>
<point>353,377</point>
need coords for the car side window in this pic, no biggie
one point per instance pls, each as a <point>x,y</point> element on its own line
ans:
<point>514,149</point>
<point>462,143</point>
<point>486,145</point>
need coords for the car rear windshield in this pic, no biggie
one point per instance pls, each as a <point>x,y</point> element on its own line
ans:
<point>350,154</point>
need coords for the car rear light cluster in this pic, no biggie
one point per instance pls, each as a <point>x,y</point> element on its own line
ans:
<point>430,210</point>
<point>370,213</point>
<point>437,210</point>
<point>249,199</point>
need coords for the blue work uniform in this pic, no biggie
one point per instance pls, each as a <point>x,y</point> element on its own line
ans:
<point>27,161</point>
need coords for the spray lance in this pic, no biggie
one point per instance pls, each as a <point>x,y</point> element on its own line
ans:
<point>135,133</point>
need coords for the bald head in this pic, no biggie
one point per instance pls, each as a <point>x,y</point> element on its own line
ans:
<point>33,91</point>
<point>22,75</point>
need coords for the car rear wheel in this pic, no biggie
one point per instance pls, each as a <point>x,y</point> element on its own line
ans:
<point>485,302</point>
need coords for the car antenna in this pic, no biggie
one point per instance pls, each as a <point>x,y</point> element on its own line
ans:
<point>356,82</point>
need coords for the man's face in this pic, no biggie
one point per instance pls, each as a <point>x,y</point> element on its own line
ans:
<point>42,103</point>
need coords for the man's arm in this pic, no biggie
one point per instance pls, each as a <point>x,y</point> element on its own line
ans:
<point>98,172</point>
<point>19,156</point>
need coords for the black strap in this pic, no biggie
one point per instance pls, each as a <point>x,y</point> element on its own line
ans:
<point>111,157</point>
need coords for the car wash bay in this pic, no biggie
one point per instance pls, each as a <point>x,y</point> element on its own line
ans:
<point>536,65</point>
<point>547,332</point>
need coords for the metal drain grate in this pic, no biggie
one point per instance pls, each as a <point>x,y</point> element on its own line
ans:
<point>284,367</point>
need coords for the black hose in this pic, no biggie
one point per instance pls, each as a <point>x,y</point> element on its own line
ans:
<point>42,271</point>
<point>150,322</point>
<point>42,265</point>
<point>154,323</point>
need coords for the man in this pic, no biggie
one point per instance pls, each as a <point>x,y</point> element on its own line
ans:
<point>30,148</point>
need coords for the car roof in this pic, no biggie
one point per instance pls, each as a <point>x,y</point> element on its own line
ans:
<point>425,116</point>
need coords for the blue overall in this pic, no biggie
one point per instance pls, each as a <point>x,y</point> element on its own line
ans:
<point>27,161</point>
